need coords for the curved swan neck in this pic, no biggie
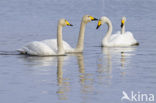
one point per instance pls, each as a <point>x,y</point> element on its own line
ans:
<point>80,43</point>
<point>123,29</point>
<point>59,40</point>
<point>109,31</point>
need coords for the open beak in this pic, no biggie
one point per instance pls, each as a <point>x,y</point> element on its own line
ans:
<point>92,18</point>
<point>122,23</point>
<point>99,24</point>
<point>68,24</point>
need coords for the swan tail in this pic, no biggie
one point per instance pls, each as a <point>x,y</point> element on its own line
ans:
<point>135,44</point>
<point>21,51</point>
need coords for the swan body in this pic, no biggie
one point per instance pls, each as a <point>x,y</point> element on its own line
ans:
<point>119,39</point>
<point>52,43</point>
<point>47,47</point>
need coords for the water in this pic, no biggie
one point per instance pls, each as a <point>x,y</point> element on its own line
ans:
<point>98,75</point>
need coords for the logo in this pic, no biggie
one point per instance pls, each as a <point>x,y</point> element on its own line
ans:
<point>137,97</point>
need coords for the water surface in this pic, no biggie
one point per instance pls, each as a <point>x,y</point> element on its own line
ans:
<point>98,75</point>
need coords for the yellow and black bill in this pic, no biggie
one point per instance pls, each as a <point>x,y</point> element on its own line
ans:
<point>92,18</point>
<point>99,24</point>
<point>122,23</point>
<point>68,24</point>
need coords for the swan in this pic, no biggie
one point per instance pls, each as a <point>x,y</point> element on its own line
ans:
<point>80,43</point>
<point>44,48</point>
<point>52,43</point>
<point>120,39</point>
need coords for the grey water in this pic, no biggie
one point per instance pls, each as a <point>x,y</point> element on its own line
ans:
<point>98,75</point>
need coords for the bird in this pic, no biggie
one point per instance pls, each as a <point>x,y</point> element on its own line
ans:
<point>119,39</point>
<point>45,47</point>
<point>52,43</point>
<point>80,43</point>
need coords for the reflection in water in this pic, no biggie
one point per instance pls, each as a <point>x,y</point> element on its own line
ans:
<point>123,60</point>
<point>64,86</point>
<point>35,61</point>
<point>43,66</point>
<point>119,56</point>
<point>86,79</point>
<point>104,68</point>
<point>39,61</point>
<point>39,66</point>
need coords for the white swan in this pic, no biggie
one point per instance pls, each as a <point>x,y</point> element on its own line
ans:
<point>120,39</point>
<point>52,43</point>
<point>80,43</point>
<point>45,48</point>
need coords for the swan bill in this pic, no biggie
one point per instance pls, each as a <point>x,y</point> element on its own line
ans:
<point>67,23</point>
<point>92,18</point>
<point>122,23</point>
<point>99,24</point>
<point>70,25</point>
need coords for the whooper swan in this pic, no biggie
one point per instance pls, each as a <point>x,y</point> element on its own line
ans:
<point>47,47</point>
<point>120,39</point>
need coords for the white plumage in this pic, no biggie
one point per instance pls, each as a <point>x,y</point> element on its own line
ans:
<point>43,48</point>
<point>119,39</point>
<point>50,46</point>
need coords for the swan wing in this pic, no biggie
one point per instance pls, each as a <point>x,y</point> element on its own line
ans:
<point>52,43</point>
<point>125,39</point>
<point>37,48</point>
<point>130,38</point>
<point>45,47</point>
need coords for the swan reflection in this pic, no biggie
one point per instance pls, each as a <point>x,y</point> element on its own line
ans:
<point>114,56</point>
<point>36,61</point>
<point>63,83</point>
<point>86,79</point>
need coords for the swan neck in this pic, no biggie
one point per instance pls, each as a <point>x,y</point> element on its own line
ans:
<point>59,40</point>
<point>109,31</point>
<point>80,43</point>
<point>123,29</point>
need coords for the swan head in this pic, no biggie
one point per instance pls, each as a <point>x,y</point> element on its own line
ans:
<point>63,22</point>
<point>123,20</point>
<point>102,20</point>
<point>88,18</point>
